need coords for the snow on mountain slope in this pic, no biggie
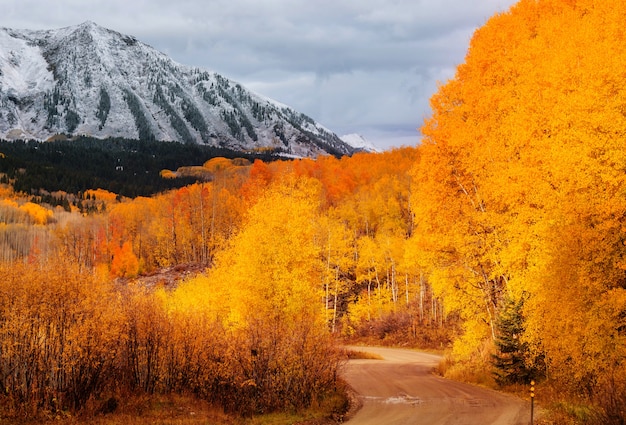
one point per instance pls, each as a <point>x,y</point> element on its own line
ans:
<point>360,143</point>
<point>90,80</point>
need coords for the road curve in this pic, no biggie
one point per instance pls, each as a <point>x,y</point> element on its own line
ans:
<point>401,390</point>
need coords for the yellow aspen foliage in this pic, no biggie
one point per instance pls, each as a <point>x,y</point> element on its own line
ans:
<point>38,214</point>
<point>6,191</point>
<point>271,274</point>
<point>167,174</point>
<point>274,265</point>
<point>375,301</point>
<point>199,296</point>
<point>339,252</point>
<point>218,164</point>
<point>101,195</point>
<point>520,185</point>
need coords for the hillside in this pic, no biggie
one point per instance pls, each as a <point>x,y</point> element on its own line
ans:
<point>128,168</point>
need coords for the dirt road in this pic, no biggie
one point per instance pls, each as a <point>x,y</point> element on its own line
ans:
<point>401,390</point>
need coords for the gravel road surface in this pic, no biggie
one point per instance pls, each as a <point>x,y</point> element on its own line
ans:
<point>401,390</point>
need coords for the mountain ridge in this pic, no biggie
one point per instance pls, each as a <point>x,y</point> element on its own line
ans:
<point>359,142</point>
<point>90,80</point>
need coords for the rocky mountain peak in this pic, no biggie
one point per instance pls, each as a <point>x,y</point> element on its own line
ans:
<point>90,80</point>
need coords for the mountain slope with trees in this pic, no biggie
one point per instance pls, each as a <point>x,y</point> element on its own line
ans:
<point>89,80</point>
<point>128,168</point>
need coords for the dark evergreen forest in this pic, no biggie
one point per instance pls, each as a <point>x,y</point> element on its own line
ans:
<point>126,167</point>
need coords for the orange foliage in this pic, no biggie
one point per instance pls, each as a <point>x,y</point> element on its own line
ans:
<point>125,262</point>
<point>520,186</point>
<point>259,178</point>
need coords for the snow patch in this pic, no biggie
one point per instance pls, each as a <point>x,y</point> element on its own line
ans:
<point>357,141</point>
<point>22,67</point>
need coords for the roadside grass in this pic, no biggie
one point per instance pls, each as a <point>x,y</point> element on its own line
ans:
<point>330,410</point>
<point>556,408</point>
<point>552,405</point>
<point>352,354</point>
<point>566,412</point>
<point>175,409</point>
<point>477,372</point>
<point>143,410</point>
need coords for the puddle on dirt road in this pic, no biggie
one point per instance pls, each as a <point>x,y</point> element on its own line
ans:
<point>413,401</point>
<point>399,399</point>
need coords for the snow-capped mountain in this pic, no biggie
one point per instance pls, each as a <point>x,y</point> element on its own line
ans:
<point>359,143</point>
<point>89,80</point>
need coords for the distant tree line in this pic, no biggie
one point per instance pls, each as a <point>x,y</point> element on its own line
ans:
<point>127,167</point>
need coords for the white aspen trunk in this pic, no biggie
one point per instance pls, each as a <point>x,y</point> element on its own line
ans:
<point>335,300</point>
<point>394,286</point>
<point>327,284</point>
<point>203,253</point>
<point>406,288</point>
<point>380,312</point>
<point>421,297</point>
<point>369,299</point>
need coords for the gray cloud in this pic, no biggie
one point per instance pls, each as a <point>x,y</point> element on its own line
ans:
<point>366,66</point>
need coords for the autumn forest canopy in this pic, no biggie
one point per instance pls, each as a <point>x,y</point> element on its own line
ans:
<point>501,238</point>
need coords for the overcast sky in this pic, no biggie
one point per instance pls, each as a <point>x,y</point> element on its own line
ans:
<point>355,66</point>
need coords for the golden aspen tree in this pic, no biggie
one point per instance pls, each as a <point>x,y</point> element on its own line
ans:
<point>284,220</point>
<point>519,188</point>
<point>60,331</point>
<point>37,213</point>
<point>338,255</point>
<point>196,345</point>
<point>273,273</point>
